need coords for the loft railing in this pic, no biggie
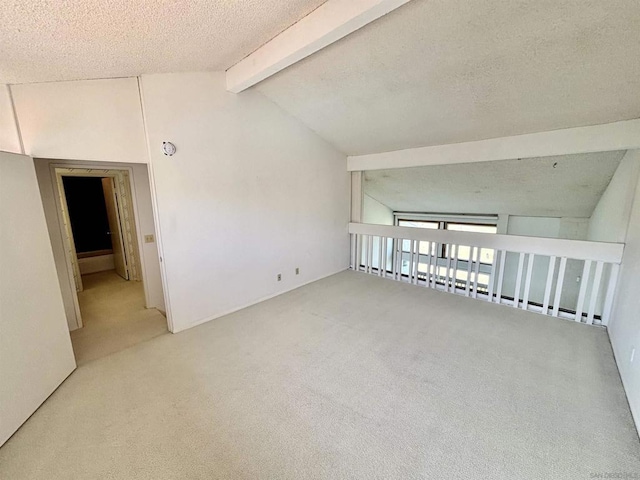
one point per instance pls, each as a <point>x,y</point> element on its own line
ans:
<point>554,277</point>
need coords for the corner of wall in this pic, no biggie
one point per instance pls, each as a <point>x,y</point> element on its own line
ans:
<point>258,172</point>
<point>10,138</point>
<point>376,212</point>
<point>610,218</point>
<point>624,328</point>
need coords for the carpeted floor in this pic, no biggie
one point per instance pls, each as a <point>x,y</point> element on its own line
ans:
<point>114,317</point>
<point>349,377</point>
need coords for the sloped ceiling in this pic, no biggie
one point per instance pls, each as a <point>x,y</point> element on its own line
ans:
<point>71,40</point>
<point>431,72</point>
<point>445,71</point>
<point>561,186</point>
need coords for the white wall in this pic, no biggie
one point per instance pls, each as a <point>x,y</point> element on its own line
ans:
<point>98,263</point>
<point>249,194</point>
<point>35,348</point>
<point>88,120</point>
<point>616,218</point>
<point>624,329</point>
<point>9,139</point>
<point>146,226</point>
<point>610,218</point>
<point>565,227</point>
<point>247,177</point>
<point>84,120</point>
<point>375,212</point>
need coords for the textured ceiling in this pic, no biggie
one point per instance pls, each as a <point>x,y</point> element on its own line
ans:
<point>445,71</point>
<point>82,39</point>
<point>528,186</point>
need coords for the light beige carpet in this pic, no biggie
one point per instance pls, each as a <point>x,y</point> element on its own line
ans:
<point>349,377</point>
<point>114,316</point>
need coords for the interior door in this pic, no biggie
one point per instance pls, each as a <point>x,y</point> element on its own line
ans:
<point>68,234</point>
<point>35,347</point>
<point>115,229</point>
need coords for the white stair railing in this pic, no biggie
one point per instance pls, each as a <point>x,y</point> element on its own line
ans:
<point>571,279</point>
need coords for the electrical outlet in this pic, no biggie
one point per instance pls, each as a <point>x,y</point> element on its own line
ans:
<point>148,239</point>
<point>279,276</point>
<point>577,279</point>
<point>297,270</point>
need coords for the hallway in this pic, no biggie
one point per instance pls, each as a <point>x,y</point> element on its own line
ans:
<point>114,316</point>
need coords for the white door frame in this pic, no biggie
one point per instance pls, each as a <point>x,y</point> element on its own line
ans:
<point>131,249</point>
<point>116,229</point>
<point>65,232</point>
<point>90,169</point>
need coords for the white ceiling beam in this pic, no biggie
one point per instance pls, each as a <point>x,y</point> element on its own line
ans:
<point>328,23</point>
<point>623,135</point>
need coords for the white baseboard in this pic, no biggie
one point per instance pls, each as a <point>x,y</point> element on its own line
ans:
<point>249,304</point>
<point>631,398</point>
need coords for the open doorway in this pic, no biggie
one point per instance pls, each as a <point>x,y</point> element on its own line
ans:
<point>103,236</point>
<point>98,218</point>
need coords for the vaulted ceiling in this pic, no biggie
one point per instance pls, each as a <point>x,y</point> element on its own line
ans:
<point>560,186</point>
<point>446,71</point>
<point>430,72</point>
<point>48,41</point>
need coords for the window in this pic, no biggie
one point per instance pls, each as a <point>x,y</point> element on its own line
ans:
<point>464,254</point>
<point>463,251</point>
<point>419,224</point>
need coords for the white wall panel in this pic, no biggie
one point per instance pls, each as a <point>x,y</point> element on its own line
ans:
<point>617,218</point>
<point>9,137</point>
<point>624,328</point>
<point>610,218</point>
<point>250,193</point>
<point>83,120</point>
<point>35,348</point>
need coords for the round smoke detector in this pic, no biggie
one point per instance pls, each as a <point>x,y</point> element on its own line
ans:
<point>168,148</point>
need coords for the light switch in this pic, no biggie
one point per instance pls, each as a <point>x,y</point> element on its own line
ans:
<point>148,239</point>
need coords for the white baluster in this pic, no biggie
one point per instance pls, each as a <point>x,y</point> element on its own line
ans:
<point>454,253</point>
<point>476,273</point>
<point>547,289</point>
<point>516,293</point>
<point>469,262</point>
<point>416,258</point>
<point>527,283</point>
<point>353,251</point>
<point>503,261</point>
<point>583,290</point>
<point>492,276</point>
<point>594,292</point>
<point>448,263</point>
<point>370,254</point>
<point>434,258</point>
<point>383,249</point>
<point>559,284</point>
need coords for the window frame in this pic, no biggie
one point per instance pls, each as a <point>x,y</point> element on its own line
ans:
<point>443,220</point>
